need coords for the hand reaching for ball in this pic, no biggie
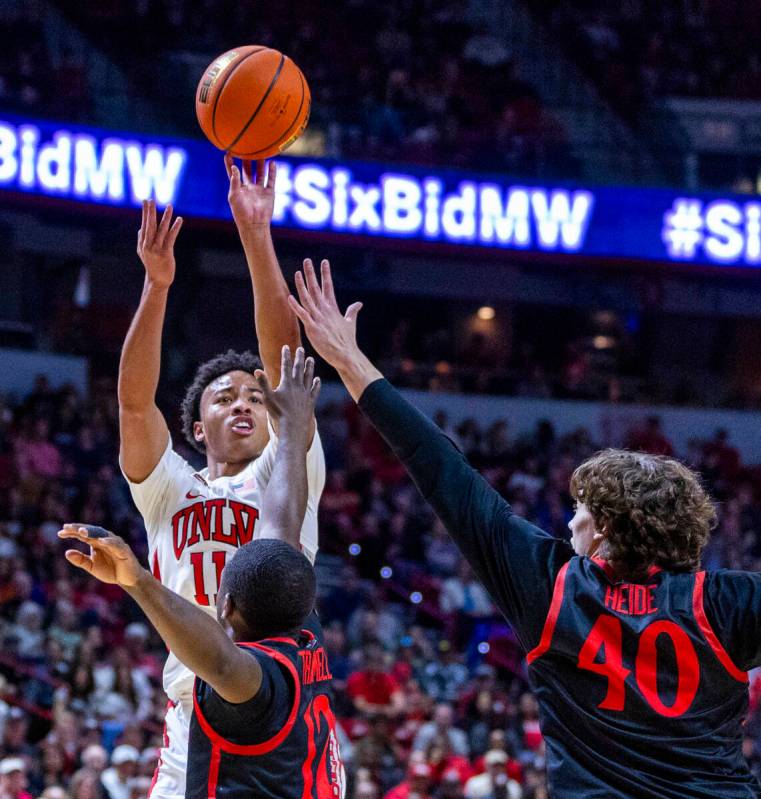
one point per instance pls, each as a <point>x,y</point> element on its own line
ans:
<point>251,195</point>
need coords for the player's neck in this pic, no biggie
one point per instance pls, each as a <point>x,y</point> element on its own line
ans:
<point>224,468</point>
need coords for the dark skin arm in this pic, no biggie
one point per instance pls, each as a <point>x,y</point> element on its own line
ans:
<point>292,405</point>
<point>196,639</point>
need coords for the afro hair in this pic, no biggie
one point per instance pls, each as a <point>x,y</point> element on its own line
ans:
<point>207,373</point>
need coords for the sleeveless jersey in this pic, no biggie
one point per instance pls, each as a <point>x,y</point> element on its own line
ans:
<point>618,661</point>
<point>195,525</point>
<point>290,753</point>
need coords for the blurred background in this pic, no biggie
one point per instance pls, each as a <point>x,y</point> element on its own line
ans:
<point>635,323</point>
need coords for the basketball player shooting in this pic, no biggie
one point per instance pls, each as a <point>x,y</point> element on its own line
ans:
<point>637,657</point>
<point>263,724</point>
<point>196,521</point>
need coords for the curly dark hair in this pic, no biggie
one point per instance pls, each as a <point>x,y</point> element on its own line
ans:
<point>653,510</point>
<point>208,372</point>
<point>272,585</point>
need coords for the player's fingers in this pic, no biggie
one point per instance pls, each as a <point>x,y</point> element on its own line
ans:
<point>229,166</point>
<point>311,281</point>
<point>327,282</point>
<point>352,312</point>
<point>77,558</point>
<point>298,364</point>
<point>150,222</point>
<point>174,231</point>
<point>166,219</point>
<point>272,175</point>
<point>314,392</point>
<point>302,314</point>
<point>143,224</point>
<point>286,363</point>
<point>247,173</point>
<point>308,372</point>
<point>304,296</point>
<point>235,179</point>
<point>261,168</point>
<point>263,381</point>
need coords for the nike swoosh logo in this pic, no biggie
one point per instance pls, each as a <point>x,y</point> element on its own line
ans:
<point>192,495</point>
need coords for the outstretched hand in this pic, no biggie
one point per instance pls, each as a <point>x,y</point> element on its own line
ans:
<point>292,402</point>
<point>110,559</point>
<point>332,334</point>
<point>251,196</point>
<point>155,244</point>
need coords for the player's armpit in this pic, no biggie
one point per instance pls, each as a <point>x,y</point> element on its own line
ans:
<point>143,439</point>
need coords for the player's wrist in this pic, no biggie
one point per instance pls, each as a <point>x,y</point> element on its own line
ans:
<point>142,582</point>
<point>356,373</point>
<point>254,232</point>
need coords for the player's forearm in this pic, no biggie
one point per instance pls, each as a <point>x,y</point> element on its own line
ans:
<point>285,498</point>
<point>276,324</point>
<point>197,640</point>
<point>140,363</point>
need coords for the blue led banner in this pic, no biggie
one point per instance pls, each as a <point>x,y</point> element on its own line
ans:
<point>434,206</point>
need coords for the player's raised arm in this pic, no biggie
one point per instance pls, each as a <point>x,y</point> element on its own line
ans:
<point>143,431</point>
<point>292,405</point>
<point>515,561</point>
<point>196,638</point>
<point>252,202</point>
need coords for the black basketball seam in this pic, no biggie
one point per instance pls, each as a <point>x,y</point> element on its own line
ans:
<point>222,86</point>
<point>288,129</point>
<point>261,103</point>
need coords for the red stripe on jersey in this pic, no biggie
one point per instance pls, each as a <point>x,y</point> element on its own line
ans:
<point>705,627</point>
<point>267,746</point>
<point>156,570</point>
<point>216,757</point>
<point>552,616</point>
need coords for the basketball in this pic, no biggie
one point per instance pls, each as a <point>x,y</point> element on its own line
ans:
<point>253,102</point>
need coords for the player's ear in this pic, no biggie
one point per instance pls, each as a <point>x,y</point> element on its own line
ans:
<point>198,433</point>
<point>227,607</point>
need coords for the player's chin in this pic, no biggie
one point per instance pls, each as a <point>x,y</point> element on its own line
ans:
<point>243,449</point>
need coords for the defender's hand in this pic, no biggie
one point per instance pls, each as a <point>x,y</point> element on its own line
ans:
<point>292,402</point>
<point>155,244</point>
<point>251,197</point>
<point>110,559</point>
<point>332,334</point>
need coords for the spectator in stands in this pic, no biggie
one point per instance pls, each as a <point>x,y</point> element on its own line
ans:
<point>372,689</point>
<point>494,782</point>
<point>442,724</point>
<point>416,786</point>
<point>13,779</point>
<point>650,438</point>
<point>115,780</point>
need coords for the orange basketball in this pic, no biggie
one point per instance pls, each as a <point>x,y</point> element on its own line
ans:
<point>253,102</point>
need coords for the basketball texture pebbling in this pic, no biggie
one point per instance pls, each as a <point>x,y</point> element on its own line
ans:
<point>253,102</point>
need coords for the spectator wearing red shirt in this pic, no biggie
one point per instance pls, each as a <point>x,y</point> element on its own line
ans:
<point>650,438</point>
<point>416,785</point>
<point>373,689</point>
<point>13,780</point>
<point>498,741</point>
<point>442,759</point>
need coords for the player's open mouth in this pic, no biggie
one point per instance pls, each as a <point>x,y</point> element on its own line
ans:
<point>243,427</point>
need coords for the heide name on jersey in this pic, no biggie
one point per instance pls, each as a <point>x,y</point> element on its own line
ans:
<point>195,524</point>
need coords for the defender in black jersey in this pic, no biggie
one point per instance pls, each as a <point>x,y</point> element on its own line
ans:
<point>263,724</point>
<point>638,659</point>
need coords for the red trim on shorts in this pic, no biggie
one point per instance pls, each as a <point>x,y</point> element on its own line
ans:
<point>216,757</point>
<point>165,739</point>
<point>552,616</point>
<point>705,627</point>
<point>267,746</point>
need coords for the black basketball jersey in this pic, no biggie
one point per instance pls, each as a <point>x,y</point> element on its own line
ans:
<point>633,680</point>
<point>281,744</point>
<point>641,686</point>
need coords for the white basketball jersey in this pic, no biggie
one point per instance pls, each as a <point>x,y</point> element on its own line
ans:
<point>195,525</point>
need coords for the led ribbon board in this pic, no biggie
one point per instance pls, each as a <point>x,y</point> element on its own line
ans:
<point>434,206</point>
